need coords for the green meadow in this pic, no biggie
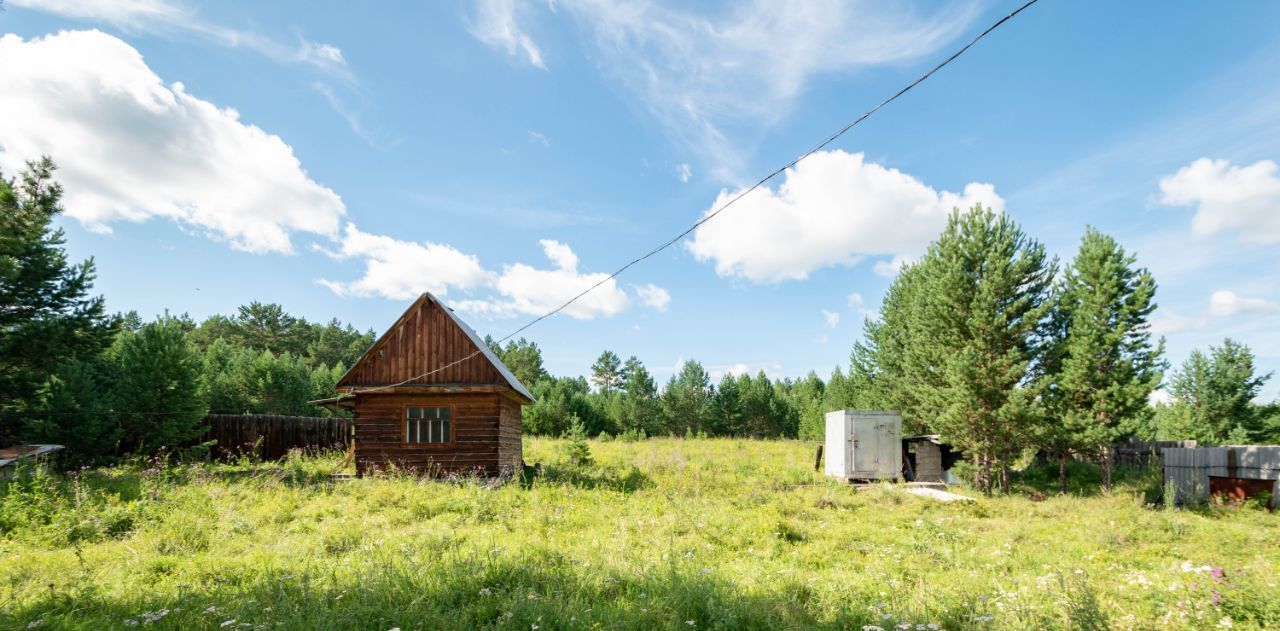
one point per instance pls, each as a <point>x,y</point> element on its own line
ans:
<point>656,534</point>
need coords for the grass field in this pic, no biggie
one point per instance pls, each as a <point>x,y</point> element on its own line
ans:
<point>660,534</point>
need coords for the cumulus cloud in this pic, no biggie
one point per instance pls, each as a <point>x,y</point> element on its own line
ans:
<point>526,290</point>
<point>684,172</point>
<point>164,17</point>
<point>653,296</point>
<point>498,24</point>
<point>131,148</point>
<point>854,301</point>
<point>404,269</point>
<point>1225,303</point>
<point>1229,198</point>
<point>834,208</point>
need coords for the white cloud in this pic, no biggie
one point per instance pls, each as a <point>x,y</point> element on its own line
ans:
<point>164,17</point>
<point>539,138</point>
<point>737,370</point>
<point>833,209</point>
<point>530,291</point>
<point>497,23</point>
<point>1225,303</point>
<point>1244,199</point>
<point>653,296</point>
<point>123,13</point>
<point>404,269</point>
<point>855,300</point>
<point>1159,397</point>
<point>832,318</point>
<point>706,78</point>
<point>684,172</point>
<point>131,148</point>
<point>1222,304</point>
<point>891,267</point>
<point>1170,322</point>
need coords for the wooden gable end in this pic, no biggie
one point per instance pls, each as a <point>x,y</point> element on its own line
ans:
<point>423,340</point>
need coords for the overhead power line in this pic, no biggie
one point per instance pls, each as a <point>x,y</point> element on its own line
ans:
<point>715,213</point>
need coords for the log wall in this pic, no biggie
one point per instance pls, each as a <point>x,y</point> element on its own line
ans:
<point>510,454</point>
<point>380,443</point>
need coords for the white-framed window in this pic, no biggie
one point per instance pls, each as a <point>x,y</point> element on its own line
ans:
<point>427,426</point>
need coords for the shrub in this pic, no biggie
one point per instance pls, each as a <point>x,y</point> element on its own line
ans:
<point>576,451</point>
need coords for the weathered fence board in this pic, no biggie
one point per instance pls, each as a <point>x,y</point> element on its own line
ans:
<point>1138,454</point>
<point>270,437</point>
<point>1187,472</point>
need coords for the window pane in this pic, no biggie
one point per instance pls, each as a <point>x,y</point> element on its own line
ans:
<point>444,431</point>
<point>415,412</point>
<point>442,413</point>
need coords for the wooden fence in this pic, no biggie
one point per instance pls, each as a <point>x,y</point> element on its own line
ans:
<point>1138,454</point>
<point>270,437</point>
<point>1190,474</point>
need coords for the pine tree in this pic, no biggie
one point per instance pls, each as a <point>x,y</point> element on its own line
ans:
<point>640,409</point>
<point>606,373</point>
<point>725,418</point>
<point>1212,397</point>
<point>47,316</point>
<point>1103,365</point>
<point>157,388</point>
<point>881,372</point>
<point>960,338</point>
<point>686,401</point>
<point>74,409</point>
<point>524,358</point>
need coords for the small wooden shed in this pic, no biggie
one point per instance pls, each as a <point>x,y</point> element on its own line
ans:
<point>430,396</point>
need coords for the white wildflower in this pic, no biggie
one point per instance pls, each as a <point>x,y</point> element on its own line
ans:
<point>485,591</point>
<point>871,627</point>
<point>227,623</point>
<point>1226,622</point>
<point>690,622</point>
<point>35,624</point>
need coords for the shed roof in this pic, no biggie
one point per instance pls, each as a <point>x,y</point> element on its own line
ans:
<point>431,356</point>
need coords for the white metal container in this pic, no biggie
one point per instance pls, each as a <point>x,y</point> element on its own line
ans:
<point>864,445</point>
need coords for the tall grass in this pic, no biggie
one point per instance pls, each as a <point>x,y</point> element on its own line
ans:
<point>657,534</point>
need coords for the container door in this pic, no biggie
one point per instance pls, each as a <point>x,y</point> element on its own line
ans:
<point>866,449</point>
<point>889,452</point>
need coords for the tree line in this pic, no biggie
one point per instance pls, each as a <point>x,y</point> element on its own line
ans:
<point>622,398</point>
<point>105,385</point>
<point>986,340</point>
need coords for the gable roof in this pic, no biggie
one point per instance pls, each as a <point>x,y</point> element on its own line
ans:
<point>429,345</point>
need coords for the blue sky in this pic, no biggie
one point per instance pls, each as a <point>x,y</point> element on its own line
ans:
<point>339,158</point>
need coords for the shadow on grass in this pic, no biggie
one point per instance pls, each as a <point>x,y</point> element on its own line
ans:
<point>464,592</point>
<point>1085,480</point>
<point>627,480</point>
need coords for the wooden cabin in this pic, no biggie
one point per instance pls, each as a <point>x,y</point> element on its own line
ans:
<point>430,396</point>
